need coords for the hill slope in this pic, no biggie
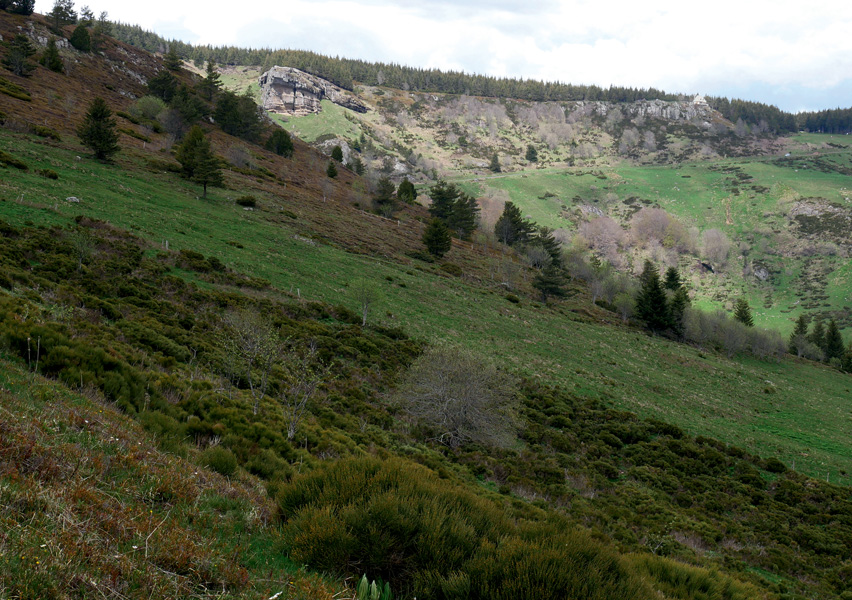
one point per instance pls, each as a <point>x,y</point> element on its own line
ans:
<point>139,316</point>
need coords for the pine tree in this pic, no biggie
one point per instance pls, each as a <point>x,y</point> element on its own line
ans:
<point>51,58</point>
<point>742,313</point>
<point>331,170</point>
<point>406,192</point>
<point>197,160</point>
<point>80,39</point>
<point>817,337</point>
<point>651,304</point>
<point>444,196</point>
<point>437,238</point>
<point>280,143</point>
<point>799,335</point>
<point>211,83</point>
<point>337,154</point>
<point>532,154</point>
<point>672,280</point>
<point>463,216</point>
<point>171,60</point>
<point>63,13</point>
<point>511,228</point>
<point>544,237</point>
<point>22,7</point>
<point>20,49</point>
<point>385,192</point>
<point>550,281</point>
<point>494,167</point>
<point>98,130</point>
<point>677,308</point>
<point>833,341</point>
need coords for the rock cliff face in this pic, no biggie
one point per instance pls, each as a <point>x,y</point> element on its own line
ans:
<point>289,91</point>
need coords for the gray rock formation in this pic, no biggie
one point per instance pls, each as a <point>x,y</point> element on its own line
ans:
<point>289,91</point>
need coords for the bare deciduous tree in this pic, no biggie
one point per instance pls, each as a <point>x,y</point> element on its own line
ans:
<point>715,246</point>
<point>254,345</point>
<point>366,294</point>
<point>461,398</point>
<point>305,373</point>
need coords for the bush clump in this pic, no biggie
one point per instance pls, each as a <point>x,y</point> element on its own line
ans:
<point>399,521</point>
<point>48,173</point>
<point>248,201</point>
<point>220,460</point>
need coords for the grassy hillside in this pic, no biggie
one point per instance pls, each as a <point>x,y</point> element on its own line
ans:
<point>654,465</point>
<point>783,202</point>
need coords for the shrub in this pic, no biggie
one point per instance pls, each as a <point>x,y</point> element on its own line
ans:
<point>220,460</point>
<point>49,174</point>
<point>8,159</point>
<point>249,201</point>
<point>13,90</point>
<point>399,521</point>
<point>80,39</point>
<point>45,132</point>
<point>451,269</point>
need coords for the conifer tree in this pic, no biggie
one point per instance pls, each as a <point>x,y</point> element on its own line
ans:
<point>494,167</point>
<point>463,216</point>
<point>171,60</point>
<point>51,58</point>
<point>817,337</point>
<point>280,143</point>
<point>437,238</point>
<point>443,196</point>
<point>511,228</point>
<point>16,59</point>
<point>197,160</point>
<point>63,13</point>
<point>833,341</point>
<point>651,304</point>
<point>80,39</point>
<point>337,154</point>
<point>544,237</point>
<point>98,130</point>
<point>331,170</point>
<point>532,154</point>
<point>406,192</point>
<point>211,83</point>
<point>799,336</point>
<point>742,313</point>
<point>550,281</point>
<point>672,280</point>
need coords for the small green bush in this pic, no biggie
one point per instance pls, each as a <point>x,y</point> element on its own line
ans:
<point>8,159</point>
<point>452,269</point>
<point>513,298</point>
<point>220,460</point>
<point>249,201</point>
<point>134,134</point>
<point>48,173</point>
<point>45,132</point>
<point>13,90</point>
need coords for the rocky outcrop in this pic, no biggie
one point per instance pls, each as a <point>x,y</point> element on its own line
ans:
<point>289,91</point>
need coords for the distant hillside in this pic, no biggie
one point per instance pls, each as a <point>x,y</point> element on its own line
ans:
<point>346,72</point>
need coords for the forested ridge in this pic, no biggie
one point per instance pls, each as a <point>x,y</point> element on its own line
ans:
<point>757,116</point>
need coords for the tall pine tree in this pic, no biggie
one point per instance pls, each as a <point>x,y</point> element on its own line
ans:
<point>98,130</point>
<point>742,313</point>
<point>651,303</point>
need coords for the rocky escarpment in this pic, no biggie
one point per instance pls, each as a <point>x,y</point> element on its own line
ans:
<point>289,91</point>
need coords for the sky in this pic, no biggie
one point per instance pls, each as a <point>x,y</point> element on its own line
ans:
<point>795,55</point>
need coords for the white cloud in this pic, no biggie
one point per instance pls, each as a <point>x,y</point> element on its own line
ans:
<point>681,47</point>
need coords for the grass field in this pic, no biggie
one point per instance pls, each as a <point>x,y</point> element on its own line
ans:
<point>798,412</point>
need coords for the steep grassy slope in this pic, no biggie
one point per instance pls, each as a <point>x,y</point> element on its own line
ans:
<point>90,507</point>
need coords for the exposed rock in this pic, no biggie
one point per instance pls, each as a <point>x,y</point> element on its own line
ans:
<point>289,91</point>
<point>656,109</point>
<point>761,272</point>
<point>72,199</point>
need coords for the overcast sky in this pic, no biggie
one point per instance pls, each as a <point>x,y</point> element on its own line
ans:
<point>796,55</point>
